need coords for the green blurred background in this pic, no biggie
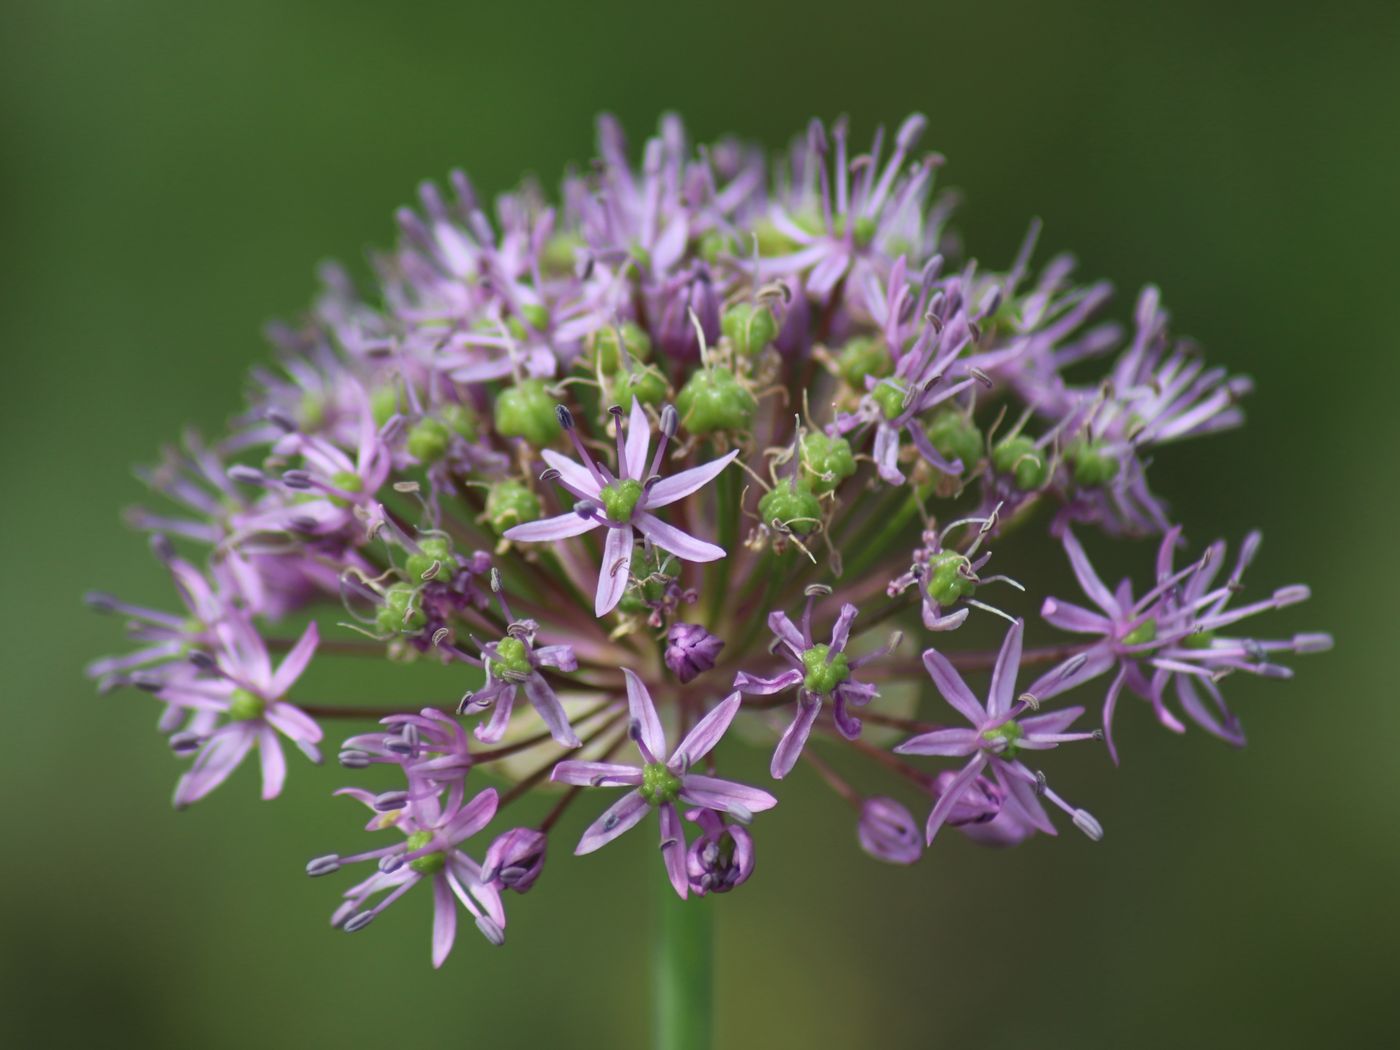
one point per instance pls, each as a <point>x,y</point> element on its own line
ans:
<point>171,173</point>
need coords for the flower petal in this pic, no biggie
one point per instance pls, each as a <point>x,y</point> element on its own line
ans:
<point>642,713</point>
<point>551,711</point>
<point>757,686</point>
<point>1004,673</point>
<point>559,527</point>
<point>444,919</point>
<point>790,746</point>
<point>953,688</point>
<point>673,846</point>
<point>273,762</point>
<point>218,758</point>
<point>294,663</point>
<point>724,795</point>
<point>1087,577</point>
<point>701,740</point>
<point>596,774</point>
<point>634,452</point>
<point>682,544</point>
<point>678,486</point>
<point>577,478</point>
<point>954,742</point>
<point>622,815</point>
<point>952,794</point>
<point>615,571</point>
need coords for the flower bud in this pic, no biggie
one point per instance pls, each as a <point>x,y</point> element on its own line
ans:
<point>676,332</point>
<point>690,650</point>
<point>514,861</point>
<point>721,858</point>
<point>981,815</point>
<point>887,832</point>
<point>428,440</point>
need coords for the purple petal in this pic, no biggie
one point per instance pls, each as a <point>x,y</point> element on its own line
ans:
<point>1074,618</point>
<point>294,663</point>
<point>682,544</point>
<point>551,711</point>
<point>596,774</point>
<point>701,740</point>
<point>1088,578</point>
<point>472,817</point>
<point>292,722</point>
<point>559,527</point>
<point>1004,673</point>
<point>678,486</point>
<point>642,712</point>
<point>953,688</point>
<point>619,817</point>
<point>755,685</point>
<point>218,758</point>
<point>673,845</point>
<point>577,478</point>
<point>558,656</point>
<point>634,453</point>
<point>952,794</point>
<point>841,633</point>
<point>274,763</point>
<point>724,795</point>
<point>444,920</point>
<point>790,746</point>
<point>1051,723</point>
<point>1022,795</point>
<point>780,624</point>
<point>616,570</point>
<point>955,742</point>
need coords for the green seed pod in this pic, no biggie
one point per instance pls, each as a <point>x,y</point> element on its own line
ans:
<point>1019,457</point>
<point>945,580</point>
<point>1092,466</point>
<point>750,328</point>
<point>602,345</point>
<point>792,504</point>
<point>510,503</point>
<point>865,355</point>
<point>460,419</point>
<point>889,395</point>
<point>714,400</point>
<point>428,440</point>
<point>526,410</point>
<point>432,549</point>
<point>400,613</point>
<point>645,382</point>
<point>826,461</point>
<point>825,669</point>
<point>955,436</point>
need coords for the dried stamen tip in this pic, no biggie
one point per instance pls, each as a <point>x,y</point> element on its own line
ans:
<point>246,474</point>
<point>565,417</point>
<point>354,759</point>
<point>495,579</point>
<point>670,420</point>
<point>323,865</point>
<point>816,590</point>
<point>278,418</point>
<point>391,863</point>
<point>1085,822</point>
<point>296,479</point>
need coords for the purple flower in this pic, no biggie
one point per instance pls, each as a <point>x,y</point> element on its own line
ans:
<point>515,859</point>
<point>431,747</point>
<point>721,858</point>
<point>243,687</point>
<point>819,670</point>
<point>887,832</point>
<point>662,782</point>
<point>1170,635</point>
<point>690,650</point>
<point>433,835</point>
<point>995,740</point>
<point>512,664</point>
<point>980,812</point>
<point>625,501</point>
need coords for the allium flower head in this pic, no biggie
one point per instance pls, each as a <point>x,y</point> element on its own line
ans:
<point>567,453</point>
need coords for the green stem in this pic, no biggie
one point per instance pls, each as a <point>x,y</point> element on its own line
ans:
<point>682,1004</point>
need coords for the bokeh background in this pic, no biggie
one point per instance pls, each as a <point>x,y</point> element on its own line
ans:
<point>171,172</point>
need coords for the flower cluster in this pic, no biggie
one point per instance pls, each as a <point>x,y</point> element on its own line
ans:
<point>573,453</point>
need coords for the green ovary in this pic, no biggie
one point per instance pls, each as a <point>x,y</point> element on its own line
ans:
<point>429,863</point>
<point>825,669</point>
<point>659,784</point>
<point>620,499</point>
